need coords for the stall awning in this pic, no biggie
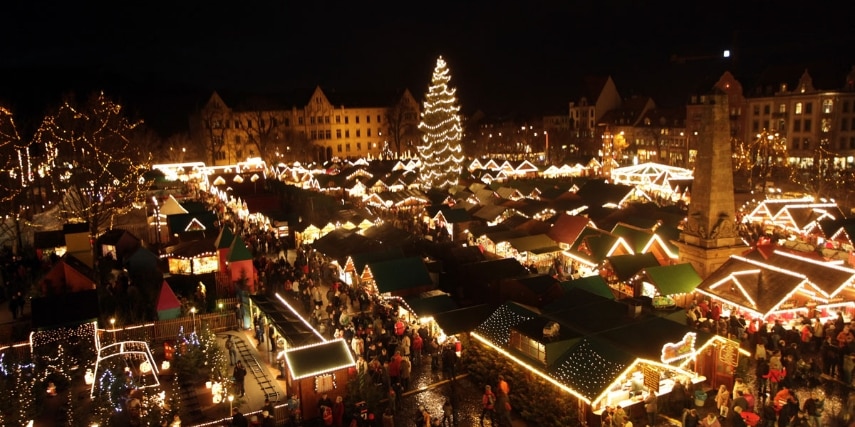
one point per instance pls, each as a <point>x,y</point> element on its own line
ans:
<point>318,359</point>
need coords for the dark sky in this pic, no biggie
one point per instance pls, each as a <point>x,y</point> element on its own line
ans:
<point>526,57</point>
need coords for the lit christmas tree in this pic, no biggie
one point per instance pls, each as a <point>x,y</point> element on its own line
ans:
<point>440,152</point>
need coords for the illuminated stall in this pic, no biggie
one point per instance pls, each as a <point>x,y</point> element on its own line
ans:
<point>587,346</point>
<point>782,287</point>
<point>319,369</point>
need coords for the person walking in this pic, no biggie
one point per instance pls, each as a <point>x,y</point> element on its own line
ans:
<point>239,374</point>
<point>230,346</point>
<point>488,406</point>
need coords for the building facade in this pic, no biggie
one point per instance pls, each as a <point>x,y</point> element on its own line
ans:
<point>316,128</point>
<point>810,116</point>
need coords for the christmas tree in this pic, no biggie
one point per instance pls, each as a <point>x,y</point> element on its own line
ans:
<point>440,152</point>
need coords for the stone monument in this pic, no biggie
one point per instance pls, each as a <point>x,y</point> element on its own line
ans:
<point>710,235</point>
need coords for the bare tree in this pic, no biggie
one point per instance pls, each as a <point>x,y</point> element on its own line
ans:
<point>95,169</point>
<point>402,120</point>
<point>209,132</point>
<point>263,129</point>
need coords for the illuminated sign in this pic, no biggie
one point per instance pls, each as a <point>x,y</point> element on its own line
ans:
<point>679,350</point>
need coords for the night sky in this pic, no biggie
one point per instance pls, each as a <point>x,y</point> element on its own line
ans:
<point>505,57</point>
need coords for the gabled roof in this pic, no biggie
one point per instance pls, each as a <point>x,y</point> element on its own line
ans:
<point>494,269</point>
<point>599,193</point>
<point>430,306</point>
<point>400,274</point>
<point>490,212</point>
<point>626,266</point>
<point>752,285</point>
<point>463,319</point>
<point>673,279</point>
<point>318,359</point>
<point>636,237</point>
<point>567,228</point>
<point>594,284</point>
<point>224,240</point>
<point>537,244</point>
<point>497,327</point>
<point>238,251</point>
<point>827,276</point>
<point>191,249</point>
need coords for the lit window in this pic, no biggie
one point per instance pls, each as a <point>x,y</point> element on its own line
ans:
<point>528,346</point>
<point>827,106</point>
<point>798,108</point>
<point>324,383</point>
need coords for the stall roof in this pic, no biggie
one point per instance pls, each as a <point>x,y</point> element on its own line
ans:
<point>400,274</point>
<point>318,359</point>
<point>673,279</point>
<point>594,284</point>
<point>295,331</point>
<point>431,306</point>
<point>463,319</point>
<point>625,266</point>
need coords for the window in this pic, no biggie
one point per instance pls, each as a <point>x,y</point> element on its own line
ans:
<point>368,132</point>
<point>798,108</point>
<point>826,124</point>
<point>367,119</point>
<point>346,120</point>
<point>300,120</point>
<point>766,109</point>
<point>756,110</point>
<point>237,139</point>
<point>808,125</point>
<point>795,144</point>
<point>844,124</point>
<point>328,134</point>
<point>314,134</point>
<point>237,124</point>
<point>356,118</point>
<point>842,144</point>
<point>326,119</point>
<point>827,106</point>
<point>312,120</point>
<point>347,148</point>
<point>338,118</point>
<point>797,125</point>
<point>358,146</point>
<point>347,133</point>
<point>217,139</point>
<point>339,148</point>
<point>528,346</point>
<point>378,118</point>
<point>808,107</point>
<point>324,383</point>
<point>806,144</point>
<point>755,126</point>
<point>358,133</point>
<point>338,133</point>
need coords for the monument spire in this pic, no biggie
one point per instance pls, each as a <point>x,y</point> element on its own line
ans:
<point>710,234</point>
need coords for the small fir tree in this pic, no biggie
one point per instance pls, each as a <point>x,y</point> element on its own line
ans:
<point>440,152</point>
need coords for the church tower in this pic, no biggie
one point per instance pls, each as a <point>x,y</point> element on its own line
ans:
<point>710,235</point>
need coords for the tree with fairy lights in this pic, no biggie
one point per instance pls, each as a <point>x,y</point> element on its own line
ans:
<point>15,175</point>
<point>440,152</point>
<point>95,168</point>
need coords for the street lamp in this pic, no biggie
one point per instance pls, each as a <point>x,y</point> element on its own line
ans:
<point>193,313</point>
<point>231,400</point>
<point>113,327</point>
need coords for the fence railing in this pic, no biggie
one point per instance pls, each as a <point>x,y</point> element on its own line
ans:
<point>154,332</point>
